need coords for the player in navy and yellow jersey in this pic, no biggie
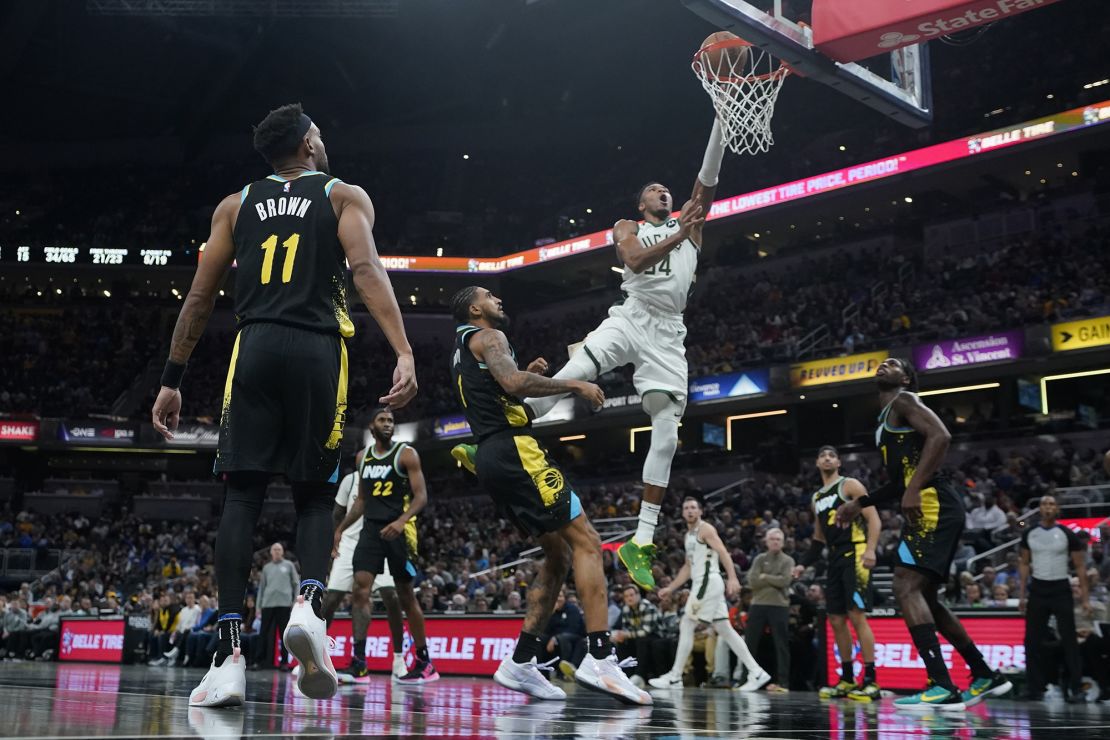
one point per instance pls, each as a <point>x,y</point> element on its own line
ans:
<point>285,398</point>
<point>848,583</point>
<point>531,490</point>
<point>913,442</point>
<point>391,492</point>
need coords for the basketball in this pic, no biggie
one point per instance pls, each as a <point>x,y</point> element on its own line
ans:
<point>737,56</point>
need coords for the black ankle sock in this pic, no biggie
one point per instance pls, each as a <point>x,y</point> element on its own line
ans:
<point>360,650</point>
<point>599,644</point>
<point>847,671</point>
<point>228,629</point>
<point>313,592</point>
<point>527,647</point>
<point>928,647</point>
<point>869,675</point>
<point>974,659</point>
<point>422,654</point>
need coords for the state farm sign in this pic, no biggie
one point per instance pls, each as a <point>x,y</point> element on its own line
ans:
<point>850,31</point>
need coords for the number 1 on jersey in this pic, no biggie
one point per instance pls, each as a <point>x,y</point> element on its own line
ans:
<point>269,246</point>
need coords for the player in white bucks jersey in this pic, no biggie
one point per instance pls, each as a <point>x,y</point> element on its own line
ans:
<point>705,554</point>
<point>659,259</point>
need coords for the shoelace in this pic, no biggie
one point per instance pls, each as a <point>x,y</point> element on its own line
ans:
<point>628,662</point>
<point>547,667</point>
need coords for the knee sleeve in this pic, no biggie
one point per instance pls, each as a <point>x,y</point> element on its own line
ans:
<point>665,415</point>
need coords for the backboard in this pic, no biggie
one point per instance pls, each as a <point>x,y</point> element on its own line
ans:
<point>905,95</point>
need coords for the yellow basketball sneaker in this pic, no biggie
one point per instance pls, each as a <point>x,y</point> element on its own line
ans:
<point>838,691</point>
<point>637,559</point>
<point>467,456</point>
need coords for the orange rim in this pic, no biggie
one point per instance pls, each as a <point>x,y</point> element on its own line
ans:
<point>703,69</point>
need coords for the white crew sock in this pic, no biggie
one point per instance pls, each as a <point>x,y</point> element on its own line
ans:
<point>649,520</point>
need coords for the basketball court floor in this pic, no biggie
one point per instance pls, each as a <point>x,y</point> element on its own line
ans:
<point>40,700</point>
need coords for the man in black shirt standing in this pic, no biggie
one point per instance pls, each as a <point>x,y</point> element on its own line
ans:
<point>1047,548</point>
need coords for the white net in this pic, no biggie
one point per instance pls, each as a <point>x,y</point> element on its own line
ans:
<point>744,88</point>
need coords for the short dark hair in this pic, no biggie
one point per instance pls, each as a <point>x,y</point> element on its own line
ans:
<point>695,499</point>
<point>461,303</point>
<point>910,371</point>
<point>275,138</point>
<point>632,586</point>
<point>830,448</point>
<point>378,412</point>
<point>643,189</point>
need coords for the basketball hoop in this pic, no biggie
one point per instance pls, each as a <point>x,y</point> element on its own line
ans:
<point>744,83</point>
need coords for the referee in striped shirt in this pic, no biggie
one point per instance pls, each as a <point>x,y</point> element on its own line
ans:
<point>1046,550</point>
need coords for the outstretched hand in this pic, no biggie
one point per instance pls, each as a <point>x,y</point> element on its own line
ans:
<point>691,216</point>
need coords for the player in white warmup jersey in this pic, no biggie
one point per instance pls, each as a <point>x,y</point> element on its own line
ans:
<point>705,554</point>
<point>660,258</point>
<point>341,582</point>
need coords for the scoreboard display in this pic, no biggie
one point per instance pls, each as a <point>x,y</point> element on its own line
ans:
<point>66,255</point>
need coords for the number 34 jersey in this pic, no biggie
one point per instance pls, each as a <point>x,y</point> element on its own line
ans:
<point>291,265</point>
<point>666,285</point>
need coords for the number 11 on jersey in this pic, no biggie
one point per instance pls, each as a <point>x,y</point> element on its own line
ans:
<point>269,246</point>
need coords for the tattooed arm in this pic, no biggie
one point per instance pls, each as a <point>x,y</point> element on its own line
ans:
<point>197,307</point>
<point>492,348</point>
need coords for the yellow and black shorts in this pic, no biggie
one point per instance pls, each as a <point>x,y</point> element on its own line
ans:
<point>284,403</point>
<point>525,484</point>
<point>930,545</point>
<point>848,583</point>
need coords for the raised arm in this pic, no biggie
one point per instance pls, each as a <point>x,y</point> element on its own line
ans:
<point>492,348</point>
<point>219,253</point>
<point>705,185</point>
<point>356,233</point>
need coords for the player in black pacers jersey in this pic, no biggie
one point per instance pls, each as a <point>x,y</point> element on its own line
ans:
<point>848,583</point>
<point>913,442</point>
<point>531,490</point>
<point>391,492</point>
<point>285,398</point>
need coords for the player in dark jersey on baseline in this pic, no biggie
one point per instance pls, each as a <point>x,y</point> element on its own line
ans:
<point>391,492</point>
<point>533,492</point>
<point>292,236</point>
<point>848,592</point>
<point>913,442</point>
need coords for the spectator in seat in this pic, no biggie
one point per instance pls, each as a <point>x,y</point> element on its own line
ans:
<point>1094,643</point>
<point>565,637</point>
<point>637,633</point>
<point>163,622</point>
<point>13,620</point>
<point>194,643</point>
<point>511,605</point>
<point>187,619</point>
